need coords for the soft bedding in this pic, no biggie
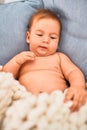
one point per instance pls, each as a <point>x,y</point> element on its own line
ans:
<point>19,109</point>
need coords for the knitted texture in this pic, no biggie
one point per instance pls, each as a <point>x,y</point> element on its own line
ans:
<point>21,110</point>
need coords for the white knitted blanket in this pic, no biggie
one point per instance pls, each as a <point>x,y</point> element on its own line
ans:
<point>21,110</point>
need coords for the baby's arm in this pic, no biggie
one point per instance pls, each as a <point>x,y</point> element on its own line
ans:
<point>15,63</point>
<point>73,74</point>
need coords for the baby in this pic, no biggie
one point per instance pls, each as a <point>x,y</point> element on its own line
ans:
<point>42,69</point>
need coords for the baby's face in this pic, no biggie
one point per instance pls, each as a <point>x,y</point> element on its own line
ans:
<point>44,36</point>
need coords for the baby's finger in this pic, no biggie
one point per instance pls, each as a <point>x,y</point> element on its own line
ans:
<point>81,101</point>
<point>68,97</point>
<point>28,57</point>
<point>74,106</point>
<point>76,102</point>
<point>31,53</point>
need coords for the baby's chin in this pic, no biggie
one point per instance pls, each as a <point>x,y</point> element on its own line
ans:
<point>43,54</point>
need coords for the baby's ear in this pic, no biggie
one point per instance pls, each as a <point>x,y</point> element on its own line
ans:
<point>27,37</point>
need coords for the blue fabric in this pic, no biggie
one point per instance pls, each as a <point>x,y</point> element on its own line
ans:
<point>73,14</point>
<point>14,18</point>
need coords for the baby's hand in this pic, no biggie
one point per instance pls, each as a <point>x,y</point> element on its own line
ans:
<point>24,56</point>
<point>77,95</point>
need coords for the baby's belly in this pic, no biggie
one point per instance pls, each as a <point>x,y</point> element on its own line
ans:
<point>42,81</point>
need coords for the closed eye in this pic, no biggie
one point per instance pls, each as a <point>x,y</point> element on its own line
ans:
<point>39,34</point>
<point>53,37</point>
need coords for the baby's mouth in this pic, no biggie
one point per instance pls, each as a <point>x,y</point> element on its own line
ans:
<point>43,47</point>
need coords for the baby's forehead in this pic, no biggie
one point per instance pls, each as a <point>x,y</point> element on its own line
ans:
<point>37,19</point>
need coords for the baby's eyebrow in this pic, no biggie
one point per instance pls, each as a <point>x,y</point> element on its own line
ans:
<point>54,34</point>
<point>39,30</point>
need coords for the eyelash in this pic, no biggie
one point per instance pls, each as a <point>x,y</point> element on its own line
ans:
<point>42,35</point>
<point>53,37</point>
<point>39,34</point>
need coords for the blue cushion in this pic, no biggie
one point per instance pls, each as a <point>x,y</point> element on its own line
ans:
<point>73,14</point>
<point>14,18</point>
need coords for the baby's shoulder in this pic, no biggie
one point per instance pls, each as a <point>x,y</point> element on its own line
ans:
<point>61,55</point>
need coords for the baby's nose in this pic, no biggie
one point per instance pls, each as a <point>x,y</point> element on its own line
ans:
<point>46,39</point>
